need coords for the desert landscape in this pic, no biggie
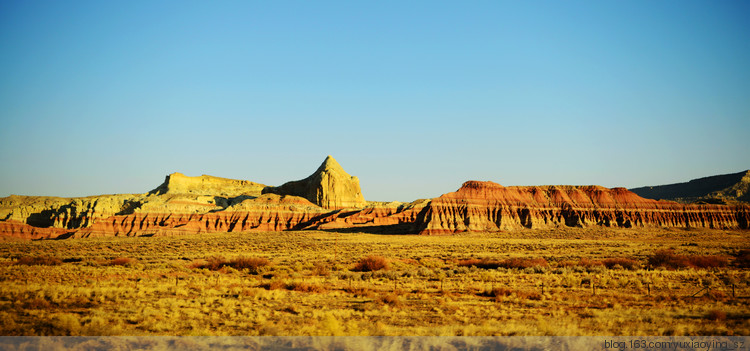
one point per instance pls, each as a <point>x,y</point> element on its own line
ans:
<point>381,175</point>
<point>213,256</point>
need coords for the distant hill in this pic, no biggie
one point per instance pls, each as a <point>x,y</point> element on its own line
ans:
<point>720,189</point>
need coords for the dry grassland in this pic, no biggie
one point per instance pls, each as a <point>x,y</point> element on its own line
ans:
<point>553,282</point>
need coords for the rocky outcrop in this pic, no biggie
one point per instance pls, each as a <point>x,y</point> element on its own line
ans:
<point>178,183</point>
<point>488,206</point>
<point>392,217</point>
<point>67,213</point>
<point>16,230</point>
<point>720,189</point>
<point>269,212</point>
<point>329,187</point>
<point>266,213</point>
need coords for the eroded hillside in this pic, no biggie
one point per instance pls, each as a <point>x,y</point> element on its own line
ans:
<point>331,199</point>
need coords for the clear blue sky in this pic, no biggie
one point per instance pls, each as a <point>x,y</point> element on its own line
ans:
<point>414,98</point>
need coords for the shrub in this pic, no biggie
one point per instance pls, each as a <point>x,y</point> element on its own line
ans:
<point>742,259</point>
<point>525,263</point>
<point>509,263</point>
<point>321,269</point>
<point>215,263</point>
<point>275,285</point>
<point>39,261</point>
<point>671,260</point>
<point>667,258</point>
<point>371,263</point>
<point>66,324</point>
<point>360,291</point>
<point>390,299</point>
<point>121,261</point>
<point>36,304</point>
<point>623,262</point>
<point>589,263</point>
<point>253,265</point>
<point>483,263</point>
<point>716,315</point>
<point>567,263</point>
<point>710,261</point>
<point>305,287</point>
<point>529,295</point>
<point>497,292</point>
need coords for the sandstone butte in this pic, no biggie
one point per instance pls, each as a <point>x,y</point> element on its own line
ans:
<point>331,199</point>
<point>329,187</point>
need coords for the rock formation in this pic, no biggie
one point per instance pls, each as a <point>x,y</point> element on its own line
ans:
<point>330,199</point>
<point>720,189</point>
<point>178,183</point>
<point>268,212</point>
<point>488,206</point>
<point>329,187</point>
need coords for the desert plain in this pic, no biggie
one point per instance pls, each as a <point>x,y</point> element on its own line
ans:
<point>541,282</point>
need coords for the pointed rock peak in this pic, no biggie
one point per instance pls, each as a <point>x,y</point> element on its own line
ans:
<point>330,163</point>
<point>329,187</point>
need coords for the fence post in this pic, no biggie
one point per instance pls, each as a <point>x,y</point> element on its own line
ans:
<point>698,292</point>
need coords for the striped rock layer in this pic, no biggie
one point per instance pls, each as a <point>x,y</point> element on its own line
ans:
<point>330,199</point>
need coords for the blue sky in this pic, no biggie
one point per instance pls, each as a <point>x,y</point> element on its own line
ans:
<point>414,98</point>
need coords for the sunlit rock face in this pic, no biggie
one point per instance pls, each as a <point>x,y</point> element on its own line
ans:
<point>329,187</point>
<point>488,206</point>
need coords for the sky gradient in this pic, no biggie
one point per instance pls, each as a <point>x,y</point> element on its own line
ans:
<point>414,98</point>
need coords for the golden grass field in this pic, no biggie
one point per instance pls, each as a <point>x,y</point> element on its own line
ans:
<point>532,282</point>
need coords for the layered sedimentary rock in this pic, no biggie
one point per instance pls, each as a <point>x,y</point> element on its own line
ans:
<point>67,213</point>
<point>719,189</point>
<point>392,217</point>
<point>269,212</point>
<point>266,213</point>
<point>329,187</point>
<point>17,230</point>
<point>330,199</point>
<point>488,206</point>
<point>178,183</point>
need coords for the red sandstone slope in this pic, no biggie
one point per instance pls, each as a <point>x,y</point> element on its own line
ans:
<point>16,230</point>
<point>488,206</point>
<point>266,213</point>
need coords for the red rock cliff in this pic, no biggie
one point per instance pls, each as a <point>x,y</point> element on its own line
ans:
<point>488,206</point>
